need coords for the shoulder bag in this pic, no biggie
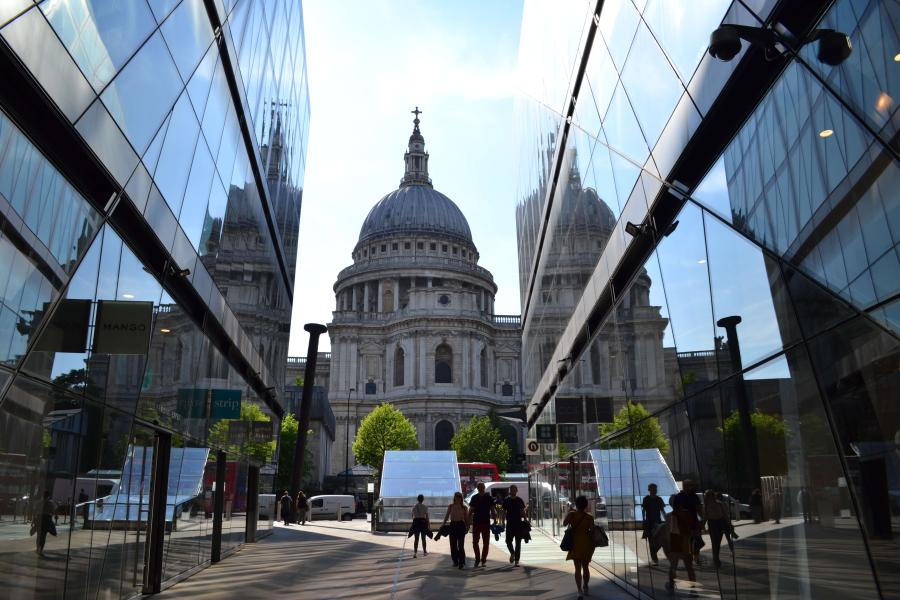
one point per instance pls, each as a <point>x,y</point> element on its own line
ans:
<point>600,538</point>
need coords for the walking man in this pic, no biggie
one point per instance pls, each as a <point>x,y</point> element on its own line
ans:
<point>286,506</point>
<point>82,500</point>
<point>654,510</point>
<point>514,511</point>
<point>481,511</point>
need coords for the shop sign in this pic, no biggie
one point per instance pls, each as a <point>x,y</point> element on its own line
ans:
<point>123,327</point>
<point>262,431</point>
<point>192,402</point>
<point>67,330</point>
<point>226,404</point>
<point>238,432</point>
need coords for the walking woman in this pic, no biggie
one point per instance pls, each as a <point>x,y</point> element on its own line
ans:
<point>420,525</point>
<point>456,514</point>
<point>582,543</point>
<point>302,507</point>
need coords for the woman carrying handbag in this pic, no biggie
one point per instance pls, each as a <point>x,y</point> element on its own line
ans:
<point>579,541</point>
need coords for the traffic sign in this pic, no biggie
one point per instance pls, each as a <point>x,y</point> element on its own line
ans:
<point>532,447</point>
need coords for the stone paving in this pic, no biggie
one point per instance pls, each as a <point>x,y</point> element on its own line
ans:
<point>328,559</point>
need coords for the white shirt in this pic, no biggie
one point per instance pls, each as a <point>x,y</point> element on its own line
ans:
<point>420,511</point>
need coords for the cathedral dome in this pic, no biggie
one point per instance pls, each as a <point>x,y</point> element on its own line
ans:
<point>412,209</point>
<point>415,207</point>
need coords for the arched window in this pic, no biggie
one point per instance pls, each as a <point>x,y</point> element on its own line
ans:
<point>443,364</point>
<point>399,366</point>
<point>443,433</point>
<point>484,368</point>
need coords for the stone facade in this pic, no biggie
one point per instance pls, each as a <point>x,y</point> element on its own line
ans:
<point>414,321</point>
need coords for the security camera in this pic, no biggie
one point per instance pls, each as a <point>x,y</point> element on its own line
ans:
<point>724,43</point>
<point>834,46</point>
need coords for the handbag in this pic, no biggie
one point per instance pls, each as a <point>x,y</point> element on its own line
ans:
<point>33,530</point>
<point>568,540</point>
<point>600,538</point>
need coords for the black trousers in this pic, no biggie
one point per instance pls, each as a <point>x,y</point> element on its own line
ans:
<point>421,525</point>
<point>513,536</point>
<point>457,545</point>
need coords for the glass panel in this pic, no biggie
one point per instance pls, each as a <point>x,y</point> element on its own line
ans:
<point>100,36</point>
<point>177,152</point>
<point>856,364</point>
<point>143,92</point>
<point>196,196</point>
<point>188,33</point>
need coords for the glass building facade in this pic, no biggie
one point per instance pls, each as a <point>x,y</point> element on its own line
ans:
<point>708,258</point>
<point>151,171</point>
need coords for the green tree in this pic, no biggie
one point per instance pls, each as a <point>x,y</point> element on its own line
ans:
<point>481,441</point>
<point>645,430</point>
<point>287,441</point>
<point>262,452</point>
<point>383,429</point>
<point>771,435</point>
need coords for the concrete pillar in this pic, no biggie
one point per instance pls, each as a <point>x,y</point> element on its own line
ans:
<point>366,297</point>
<point>380,296</point>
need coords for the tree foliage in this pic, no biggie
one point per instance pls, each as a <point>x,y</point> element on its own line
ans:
<point>383,429</point>
<point>262,452</point>
<point>771,435</point>
<point>481,441</point>
<point>287,441</point>
<point>645,430</point>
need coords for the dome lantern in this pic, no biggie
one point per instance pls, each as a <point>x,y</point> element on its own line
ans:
<point>416,158</point>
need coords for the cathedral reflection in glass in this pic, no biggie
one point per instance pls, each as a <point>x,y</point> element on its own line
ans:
<point>708,257</point>
<point>151,172</point>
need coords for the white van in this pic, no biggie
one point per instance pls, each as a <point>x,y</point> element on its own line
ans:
<point>328,507</point>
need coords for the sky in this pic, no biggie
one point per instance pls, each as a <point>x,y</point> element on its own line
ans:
<point>371,63</point>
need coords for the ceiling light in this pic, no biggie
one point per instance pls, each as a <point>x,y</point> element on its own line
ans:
<point>897,57</point>
<point>164,330</point>
<point>883,103</point>
<point>129,296</point>
<point>702,261</point>
<point>826,133</point>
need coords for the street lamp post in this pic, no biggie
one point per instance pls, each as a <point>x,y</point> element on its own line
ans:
<point>347,448</point>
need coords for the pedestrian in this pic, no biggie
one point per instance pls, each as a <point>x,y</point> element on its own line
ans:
<point>777,503</point>
<point>687,499</point>
<point>285,504</point>
<point>457,513</point>
<point>582,543</point>
<point>717,522</point>
<point>654,510</point>
<point>302,507</point>
<point>514,510</point>
<point>681,546</point>
<point>83,500</point>
<point>756,505</point>
<point>481,511</point>
<point>805,501</point>
<point>421,525</point>
<point>42,521</point>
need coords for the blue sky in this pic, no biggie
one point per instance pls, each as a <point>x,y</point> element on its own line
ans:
<point>370,63</point>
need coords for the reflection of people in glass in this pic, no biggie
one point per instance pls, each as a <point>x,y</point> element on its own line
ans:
<point>682,525</point>
<point>43,521</point>
<point>804,499</point>
<point>654,510</point>
<point>420,525</point>
<point>687,500</point>
<point>514,510</point>
<point>285,504</point>
<point>756,505</point>
<point>582,543</point>
<point>456,514</point>
<point>717,521</point>
<point>82,500</point>
<point>481,511</point>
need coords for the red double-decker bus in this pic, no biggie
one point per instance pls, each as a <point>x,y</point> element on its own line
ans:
<point>472,473</point>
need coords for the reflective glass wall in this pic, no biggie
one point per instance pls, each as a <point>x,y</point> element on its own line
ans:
<point>149,212</point>
<point>755,345</point>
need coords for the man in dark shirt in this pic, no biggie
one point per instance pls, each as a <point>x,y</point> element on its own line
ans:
<point>654,514</point>
<point>481,511</point>
<point>514,509</point>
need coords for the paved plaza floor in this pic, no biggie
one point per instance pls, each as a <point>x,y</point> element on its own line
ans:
<point>328,559</point>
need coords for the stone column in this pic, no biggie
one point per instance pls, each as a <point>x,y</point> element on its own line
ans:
<point>482,306</point>
<point>396,305</point>
<point>366,297</point>
<point>466,371</point>
<point>423,361</point>
<point>380,296</point>
<point>353,297</point>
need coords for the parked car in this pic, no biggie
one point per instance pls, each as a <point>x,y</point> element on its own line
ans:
<point>739,510</point>
<point>329,507</point>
